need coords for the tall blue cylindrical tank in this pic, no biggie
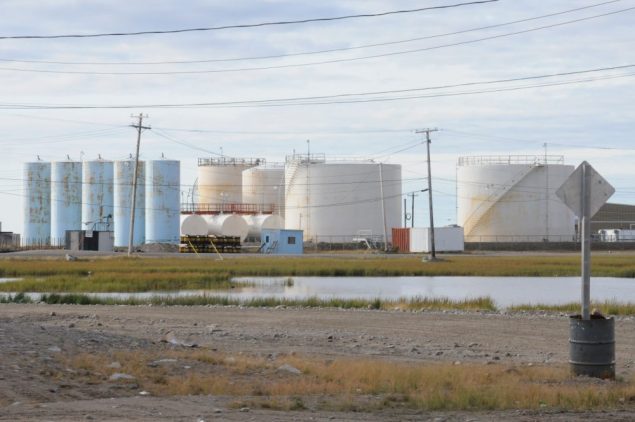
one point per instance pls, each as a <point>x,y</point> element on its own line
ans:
<point>124,176</point>
<point>97,195</point>
<point>163,201</point>
<point>66,198</point>
<point>37,203</point>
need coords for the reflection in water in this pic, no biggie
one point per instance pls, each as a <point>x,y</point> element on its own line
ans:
<point>505,291</point>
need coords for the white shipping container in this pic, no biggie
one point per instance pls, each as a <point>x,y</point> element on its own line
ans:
<point>446,239</point>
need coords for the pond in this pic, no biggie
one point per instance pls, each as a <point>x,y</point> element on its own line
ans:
<point>505,291</point>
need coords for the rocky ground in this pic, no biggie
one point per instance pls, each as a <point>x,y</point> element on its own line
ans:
<point>36,341</point>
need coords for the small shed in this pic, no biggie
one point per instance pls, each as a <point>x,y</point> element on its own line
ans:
<point>282,242</point>
<point>418,239</point>
<point>89,240</point>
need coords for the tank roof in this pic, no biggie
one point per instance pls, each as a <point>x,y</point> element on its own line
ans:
<point>489,160</point>
<point>231,161</point>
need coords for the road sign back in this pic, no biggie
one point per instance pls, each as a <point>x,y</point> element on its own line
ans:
<point>571,191</point>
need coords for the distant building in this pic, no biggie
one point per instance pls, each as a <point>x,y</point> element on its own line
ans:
<point>614,216</point>
<point>282,242</point>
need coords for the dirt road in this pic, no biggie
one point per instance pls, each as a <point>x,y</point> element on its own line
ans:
<point>33,337</point>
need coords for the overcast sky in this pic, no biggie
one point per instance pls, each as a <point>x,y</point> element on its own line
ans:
<point>583,120</point>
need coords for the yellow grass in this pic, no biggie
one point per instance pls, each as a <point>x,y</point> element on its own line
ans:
<point>358,384</point>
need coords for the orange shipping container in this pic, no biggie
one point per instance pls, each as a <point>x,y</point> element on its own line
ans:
<point>401,239</point>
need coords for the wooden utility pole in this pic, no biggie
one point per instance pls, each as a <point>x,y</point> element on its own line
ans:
<point>139,126</point>
<point>433,255</point>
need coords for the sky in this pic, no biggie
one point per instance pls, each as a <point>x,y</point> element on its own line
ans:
<point>588,116</point>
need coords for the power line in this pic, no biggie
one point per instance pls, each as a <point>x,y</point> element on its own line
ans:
<point>294,101</point>
<point>250,25</point>
<point>305,53</point>
<point>323,62</point>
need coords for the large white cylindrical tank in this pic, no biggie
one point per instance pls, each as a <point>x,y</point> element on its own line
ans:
<point>263,221</point>
<point>264,186</point>
<point>66,198</point>
<point>220,180</point>
<point>163,182</point>
<point>97,195</point>
<point>512,199</point>
<point>227,225</point>
<point>193,225</point>
<point>37,203</point>
<point>124,177</point>
<point>339,201</point>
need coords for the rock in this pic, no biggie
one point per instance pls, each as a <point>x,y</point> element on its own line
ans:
<point>472,345</point>
<point>289,369</point>
<point>170,338</point>
<point>439,353</point>
<point>53,313</point>
<point>218,411</point>
<point>496,358</point>
<point>114,365</point>
<point>330,337</point>
<point>144,393</point>
<point>244,409</point>
<point>54,349</point>
<point>117,376</point>
<point>458,362</point>
<point>71,325</point>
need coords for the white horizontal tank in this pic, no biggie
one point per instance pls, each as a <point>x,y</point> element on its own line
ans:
<point>227,225</point>
<point>124,177</point>
<point>337,201</point>
<point>66,198</point>
<point>257,223</point>
<point>512,199</point>
<point>163,182</point>
<point>264,186</point>
<point>220,179</point>
<point>193,225</point>
<point>37,203</point>
<point>97,195</point>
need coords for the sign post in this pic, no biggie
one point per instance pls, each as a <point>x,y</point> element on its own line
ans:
<point>591,336</point>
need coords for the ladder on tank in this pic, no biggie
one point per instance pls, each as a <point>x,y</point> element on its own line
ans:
<point>474,219</point>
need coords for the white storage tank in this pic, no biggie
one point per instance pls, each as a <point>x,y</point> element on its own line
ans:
<point>227,225</point>
<point>124,177</point>
<point>220,180</point>
<point>97,195</point>
<point>257,223</point>
<point>264,187</point>
<point>66,199</point>
<point>37,203</point>
<point>512,199</point>
<point>163,183</point>
<point>337,201</point>
<point>193,225</point>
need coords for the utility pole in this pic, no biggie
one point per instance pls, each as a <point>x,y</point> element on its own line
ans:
<point>433,254</point>
<point>412,213</point>
<point>139,126</point>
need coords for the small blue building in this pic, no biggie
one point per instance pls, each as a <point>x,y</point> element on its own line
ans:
<point>282,242</point>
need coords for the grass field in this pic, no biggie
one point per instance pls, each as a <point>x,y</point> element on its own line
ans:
<point>150,274</point>
<point>354,384</point>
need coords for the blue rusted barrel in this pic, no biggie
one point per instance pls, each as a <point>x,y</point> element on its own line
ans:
<point>592,346</point>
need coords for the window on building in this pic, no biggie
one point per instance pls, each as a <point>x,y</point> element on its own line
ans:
<point>291,240</point>
<point>267,239</point>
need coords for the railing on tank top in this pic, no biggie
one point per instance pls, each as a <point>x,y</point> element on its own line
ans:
<point>229,208</point>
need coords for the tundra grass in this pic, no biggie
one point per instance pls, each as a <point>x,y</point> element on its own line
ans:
<point>148,274</point>
<point>356,384</point>
<point>607,308</point>
<point>418,303</point>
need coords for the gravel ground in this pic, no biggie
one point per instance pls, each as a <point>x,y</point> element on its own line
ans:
<point>33,337</point>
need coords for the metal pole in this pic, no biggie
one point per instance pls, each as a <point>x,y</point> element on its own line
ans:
<point>433,254</point>
<point>412,213</point>
<point>383,204</point>
<point>405,213</point>
<point>586,242</point>
<point>139,127</point>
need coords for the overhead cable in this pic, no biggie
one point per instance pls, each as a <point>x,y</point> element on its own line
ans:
<point>243,26</point>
